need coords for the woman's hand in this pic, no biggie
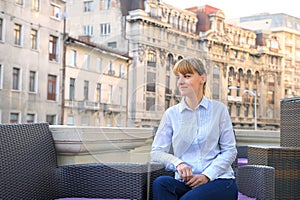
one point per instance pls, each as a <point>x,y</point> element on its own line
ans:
<point>184,171</point>
<point>196,180</point>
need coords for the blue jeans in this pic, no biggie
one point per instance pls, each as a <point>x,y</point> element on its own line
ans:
<point>168,188</point>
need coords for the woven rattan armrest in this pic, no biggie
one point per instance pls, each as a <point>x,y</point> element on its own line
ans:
<point>104,180</point>
<point>256,181</point>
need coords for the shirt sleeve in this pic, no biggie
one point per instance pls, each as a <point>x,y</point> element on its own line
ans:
<point>227,145</point>
<point>160,151</point>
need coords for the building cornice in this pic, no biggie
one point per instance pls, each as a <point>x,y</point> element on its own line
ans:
<point>102,49</point>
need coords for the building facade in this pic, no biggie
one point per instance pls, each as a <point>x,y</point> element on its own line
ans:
<point>241,64</point>
<point>95,85</point>
<point>252,63</point>
<point>30,60</point>
<point>45,75</point>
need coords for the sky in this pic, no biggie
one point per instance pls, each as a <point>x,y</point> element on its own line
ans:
<point>242,8</point>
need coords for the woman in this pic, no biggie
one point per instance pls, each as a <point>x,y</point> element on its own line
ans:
<point>201,134</point>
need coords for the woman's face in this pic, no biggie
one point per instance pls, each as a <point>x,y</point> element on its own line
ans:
<point>190,85</point>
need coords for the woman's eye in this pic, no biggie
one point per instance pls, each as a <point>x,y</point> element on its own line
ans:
<point>187,76</point>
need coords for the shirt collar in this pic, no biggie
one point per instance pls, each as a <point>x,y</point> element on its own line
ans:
<point>204,103</point>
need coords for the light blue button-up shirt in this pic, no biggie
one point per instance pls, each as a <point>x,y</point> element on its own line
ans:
<point>203,138</point>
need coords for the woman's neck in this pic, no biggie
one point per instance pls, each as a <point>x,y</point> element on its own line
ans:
<point>193,102</point>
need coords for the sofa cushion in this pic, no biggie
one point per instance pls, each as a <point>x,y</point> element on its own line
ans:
<point>244,197</point>
<point>87,199</point>
<point>242,161</point>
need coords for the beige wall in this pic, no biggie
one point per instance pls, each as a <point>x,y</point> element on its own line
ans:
<point>110,109</point>
<point>23,57</point>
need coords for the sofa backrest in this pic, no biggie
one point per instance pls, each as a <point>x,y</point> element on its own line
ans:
<point>28,162</point>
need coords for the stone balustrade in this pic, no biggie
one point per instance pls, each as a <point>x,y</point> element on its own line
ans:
<point>78,145</point>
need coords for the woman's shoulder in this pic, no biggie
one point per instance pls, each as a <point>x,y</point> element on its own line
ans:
<point>217,104</point>
<point>173,108</point>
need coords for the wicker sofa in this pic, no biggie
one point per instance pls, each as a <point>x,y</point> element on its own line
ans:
<point>29,171</point>
<point>254,181</point>
<point>285,158</point>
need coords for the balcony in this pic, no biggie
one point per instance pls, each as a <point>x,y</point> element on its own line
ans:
<point>82,105</point>
<point>235,99</point>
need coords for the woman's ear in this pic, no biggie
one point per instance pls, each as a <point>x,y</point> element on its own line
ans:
<point>203,76</point>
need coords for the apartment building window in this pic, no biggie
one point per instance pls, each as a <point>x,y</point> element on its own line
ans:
<point>150,102</point>
<point>88,6</point>
<point>246,111</point>
<point>111,70</point>
<point>168,90</point>
<point>1,77</point>
<point>99,65</point>
<point>104,29</point>
<point>86,90</point>
<point>86,61</point>
<point>70,120</point>
<point>30,118</point>
<point>53,45</point>
<point>167,103</point>
<point>169,62</point>
<point>17,34</point>
<point>111,90</point>
<point>216,72</point>
<point>33,39</point>
<point>32,81</point>
<point>14,118</point>
<point>16,79</point>
<point>229,109</point>
<point>109,121</point>
<point>88,30</point>
<point>216,88</point>
<point>73,58</point>
<point>98,92</point>
<point>238,110</point>
<point>51,119</point>
<point>271,97</point>
<point>119,122</point>
<point>151,77</point>
<point>85,120</point>
<point>36,5</point>
<point>55,11</point>
<point>72,89</point>
<point>112,44</point>
<point>120,95</point>
<point>20,2</point>
<point>104,4</point>
<point>51,92</point>
<point>1,29</point>
<point>122,71</point>
<point>151,59</point>
<point>274,43</point>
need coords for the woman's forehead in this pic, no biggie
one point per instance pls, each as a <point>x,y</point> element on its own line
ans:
<point>187,69</point>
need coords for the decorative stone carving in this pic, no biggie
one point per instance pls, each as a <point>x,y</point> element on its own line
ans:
<point>162,57</point>
<point>141,52</point>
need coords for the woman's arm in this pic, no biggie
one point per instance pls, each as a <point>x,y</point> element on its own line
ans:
<point>161,145</point>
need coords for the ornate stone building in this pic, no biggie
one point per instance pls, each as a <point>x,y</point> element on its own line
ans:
<point>30,60</point>
<point>250,67</point>
<point>243,64</point>
<point>236,59</point>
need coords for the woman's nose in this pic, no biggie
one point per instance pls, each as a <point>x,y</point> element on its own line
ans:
<point>180,81</point>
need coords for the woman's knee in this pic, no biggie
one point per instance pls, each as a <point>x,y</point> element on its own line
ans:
<point>162,181</point>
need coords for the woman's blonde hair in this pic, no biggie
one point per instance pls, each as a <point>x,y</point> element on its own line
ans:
<point>190,65</point>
